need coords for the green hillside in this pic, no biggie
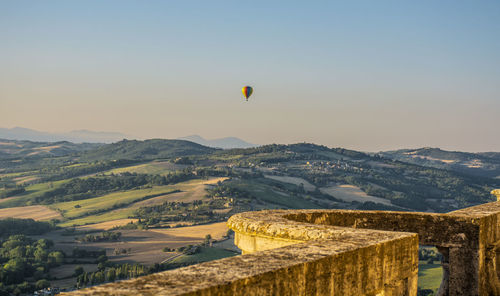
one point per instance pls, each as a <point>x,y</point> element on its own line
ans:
<point>145,150</point>
<point>18,149</point>
<point>476,164</point>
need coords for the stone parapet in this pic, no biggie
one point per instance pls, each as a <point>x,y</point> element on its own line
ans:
<point>338,252</point>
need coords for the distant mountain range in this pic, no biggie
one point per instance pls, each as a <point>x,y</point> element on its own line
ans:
<point>78,136</point>
<point>13,149</point>
<point>86,136</point>
<point>224,143</point>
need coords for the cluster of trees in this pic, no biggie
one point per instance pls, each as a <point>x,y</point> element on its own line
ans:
<point>22,258</point>
<point>106,236</point>
<point>23,288</point>
<point>254,150</point>
<point>192,249</point>
<point>430,255</point>
<point>7,191</point>
<point>188,250</point>
<point>222,190</point>
<point>120,251</point>
<point>132,225</point>
<point>110,273</point>
<point>197,211</point>
<point>10,226</point>
<point>180,176</point>
<point>84,253</point>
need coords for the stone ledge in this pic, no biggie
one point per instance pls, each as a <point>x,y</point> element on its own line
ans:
<point>320,260</point>
<point>338,252</point>
<point>301,269</point>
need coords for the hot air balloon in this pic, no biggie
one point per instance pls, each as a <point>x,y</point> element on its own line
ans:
<point>247,91</point>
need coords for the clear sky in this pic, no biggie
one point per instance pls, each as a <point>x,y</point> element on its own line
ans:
<point>366,75</point>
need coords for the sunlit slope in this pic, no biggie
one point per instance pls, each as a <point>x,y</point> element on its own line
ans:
<point>78,208</point>
<point>32,192</point>
<point>121,205</point>
<point>16,148</point>
<point>479,164</point>
<point>148,149</point>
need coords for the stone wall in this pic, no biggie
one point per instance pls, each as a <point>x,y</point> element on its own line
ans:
<point>338,252</point>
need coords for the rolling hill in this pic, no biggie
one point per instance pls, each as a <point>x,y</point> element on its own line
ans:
<point>481,164</point>
<point>145,150</point>
<point>422,179</point>
<point>20,149</point>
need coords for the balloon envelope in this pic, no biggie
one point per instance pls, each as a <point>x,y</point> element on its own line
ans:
<point>247,91</point>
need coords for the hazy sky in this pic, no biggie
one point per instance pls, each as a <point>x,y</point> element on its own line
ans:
<point>367,75</point>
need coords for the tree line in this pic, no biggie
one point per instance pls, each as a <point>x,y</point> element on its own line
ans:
<point>10,226</point>
<point>106,236</point>
<point>84,188</point>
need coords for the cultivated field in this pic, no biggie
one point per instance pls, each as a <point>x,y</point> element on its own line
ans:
<point>10,144</point>
<point>105,225</point>
<point>350,193</point>
<point>113,215</point>
<point>216,230</point>
<point>194,189</point>
<point>155,168</point>
<point>78,208</point>
<point>429,276</point>
<point>143,246</point>
<point>25,179</point>
<point>32,191</point>
<point>293,180</point>
<point>189,191</point>
<point>33,212</point>
<point>45,149</point>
